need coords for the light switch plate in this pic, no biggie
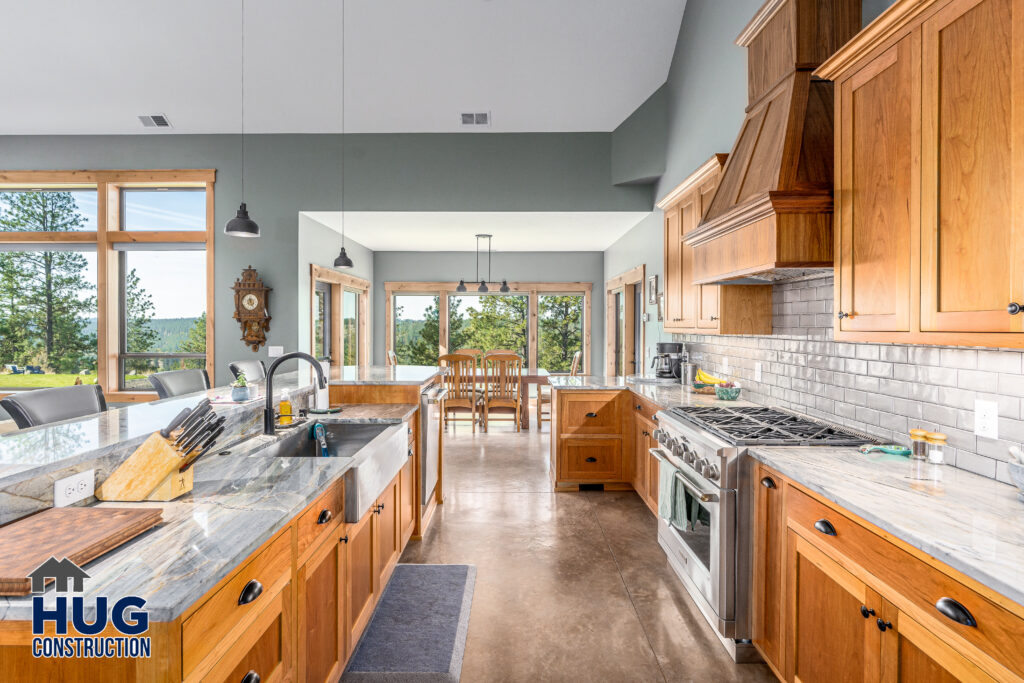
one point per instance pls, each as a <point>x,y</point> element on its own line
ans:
<point>275,351</point>
<point>757,371</point>
<point>986,419</point>
<point>74,488</point>
<point>725,363</point>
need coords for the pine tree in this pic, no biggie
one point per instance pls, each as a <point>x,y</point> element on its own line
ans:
<point>195,342</point>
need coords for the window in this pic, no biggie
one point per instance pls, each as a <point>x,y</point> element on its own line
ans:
<point>560,330</point>
<point>338,318</point>
<point>322,321</point>
<point>106,291</point>
<point>350,327</point>
<point>558,325</point>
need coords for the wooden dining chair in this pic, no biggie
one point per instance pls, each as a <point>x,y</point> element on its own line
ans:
<point>476,353</point>
<point>575,369</point>
<point>391,358</point>
<point>460,381</point>
<point>502,386</point>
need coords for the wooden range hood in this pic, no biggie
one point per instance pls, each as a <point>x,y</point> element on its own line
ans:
<point>771,217</point>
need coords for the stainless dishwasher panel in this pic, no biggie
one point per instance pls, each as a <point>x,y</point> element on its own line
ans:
<point>430,444</point>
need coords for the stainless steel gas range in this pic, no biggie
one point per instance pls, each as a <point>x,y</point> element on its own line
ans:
<point>706,528</point>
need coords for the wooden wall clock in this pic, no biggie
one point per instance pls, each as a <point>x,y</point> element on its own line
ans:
<point>252,308</point>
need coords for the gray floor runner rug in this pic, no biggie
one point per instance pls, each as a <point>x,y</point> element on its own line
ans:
<point>418,629</point>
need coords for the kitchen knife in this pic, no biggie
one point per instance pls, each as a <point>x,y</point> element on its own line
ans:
<point>197,435</point>
<point>191,429</point>
<point>198,412</point>
<point>175,423</point>
<point>206,446</point>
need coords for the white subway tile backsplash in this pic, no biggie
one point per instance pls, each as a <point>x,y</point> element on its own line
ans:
<point>881,389</point>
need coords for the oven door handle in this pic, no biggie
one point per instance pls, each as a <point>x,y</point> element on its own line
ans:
<point>702,496</point>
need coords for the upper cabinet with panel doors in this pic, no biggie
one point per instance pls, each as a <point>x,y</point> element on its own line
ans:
<point>704,309</point>
<point>929,175</point>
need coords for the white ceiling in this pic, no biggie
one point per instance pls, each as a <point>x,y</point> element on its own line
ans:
<point>454,231</point>
<point>413,65</point>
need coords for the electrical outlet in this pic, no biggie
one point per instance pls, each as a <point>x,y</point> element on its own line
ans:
<point>986,419</point>
<point>725,364</point>
<point>757,371</point>
<point>74,488</point>
<point>275,351</point>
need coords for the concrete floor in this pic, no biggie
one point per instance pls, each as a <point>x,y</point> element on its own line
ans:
<point>570,586</point>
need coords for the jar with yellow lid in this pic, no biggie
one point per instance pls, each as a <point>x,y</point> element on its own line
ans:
<point>936,442</point>
<point>919,444</point>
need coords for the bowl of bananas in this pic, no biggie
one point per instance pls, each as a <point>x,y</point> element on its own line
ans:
<point>703,383</point>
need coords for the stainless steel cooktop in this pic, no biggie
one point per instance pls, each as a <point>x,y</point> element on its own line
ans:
<point>754,426</point>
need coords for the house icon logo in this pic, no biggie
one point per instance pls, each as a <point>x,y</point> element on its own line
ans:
<point>62,572</point>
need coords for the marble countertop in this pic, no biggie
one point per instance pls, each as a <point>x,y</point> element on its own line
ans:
<point>239,501</point>
<point>370,413</point>
<point>414,375</point>
<point>972,523</point>
<point>664,395</point>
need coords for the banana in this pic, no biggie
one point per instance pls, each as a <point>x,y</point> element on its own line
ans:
<point>705,378</point>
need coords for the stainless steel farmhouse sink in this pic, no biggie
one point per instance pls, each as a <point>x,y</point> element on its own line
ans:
<point>378,453</point>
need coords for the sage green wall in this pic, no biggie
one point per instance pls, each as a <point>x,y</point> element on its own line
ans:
<point>286,174</point>
<point>523,266</point>
<point>638,144</point>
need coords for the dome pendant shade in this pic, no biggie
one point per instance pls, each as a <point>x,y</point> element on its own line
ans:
<point>343,261</point>
<point>483,287</point>
<point>461,287</point>
<point>504,287</point>
<point>241,225</point>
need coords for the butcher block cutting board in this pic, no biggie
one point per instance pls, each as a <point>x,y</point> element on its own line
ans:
<point>77,533</point>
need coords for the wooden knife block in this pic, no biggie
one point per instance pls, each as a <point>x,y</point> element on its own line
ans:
<point>150,473</point>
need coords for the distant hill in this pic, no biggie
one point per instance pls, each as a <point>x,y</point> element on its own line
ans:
<point>171,332</point>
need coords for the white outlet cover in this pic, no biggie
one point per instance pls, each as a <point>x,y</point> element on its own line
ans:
<point>72,489</point>
<point>725,363</point>
<point>757,371</point>
<point>275,351</point>
<point>986,419</point>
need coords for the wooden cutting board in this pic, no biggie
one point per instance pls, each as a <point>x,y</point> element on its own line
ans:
<point>79,534</point>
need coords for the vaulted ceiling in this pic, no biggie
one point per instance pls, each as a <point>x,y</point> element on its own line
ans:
<point>77,67</point>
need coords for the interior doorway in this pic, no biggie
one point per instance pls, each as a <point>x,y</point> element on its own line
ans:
<point>340,317</point>
<point>624,323</point>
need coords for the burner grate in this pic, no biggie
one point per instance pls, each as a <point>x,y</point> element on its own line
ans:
<point>768,427</point>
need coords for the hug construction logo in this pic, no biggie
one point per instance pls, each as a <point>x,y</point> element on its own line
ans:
<point>89,640</point>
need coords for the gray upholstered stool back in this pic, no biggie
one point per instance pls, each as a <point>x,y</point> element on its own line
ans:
<point>178,382</point>
<point>255,370</point>
<point>43,406</point>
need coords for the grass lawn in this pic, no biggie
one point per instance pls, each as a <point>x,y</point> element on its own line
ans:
<point>28,381</point>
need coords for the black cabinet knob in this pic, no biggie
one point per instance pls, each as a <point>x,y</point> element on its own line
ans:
<point>768,483</point>
<point>343,539</point>
<point>324,516</point>
<point>1014,308</point>
<point>382,507</point>
<point>883,624</point>
<point>714,317</point>
<point>951,609</point>
<point>251,677</point>
<point>252,590</point>
<point>825,527</point>
<point>591,414</point>
<point>410,452</point>
<point>591,459</point>
<point>842,314</point>
<point>639,407</point>
<point>866,611</point>
<point>645,433</point>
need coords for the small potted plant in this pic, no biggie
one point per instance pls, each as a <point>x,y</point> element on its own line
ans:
<point>240,389</point>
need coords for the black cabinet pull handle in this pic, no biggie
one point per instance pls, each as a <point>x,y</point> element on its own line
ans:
<point>408,429</point>
<point>343,539</point>
<point>639,407</point>
<point>866,611</point>
<point>842,314</point>
<point>645,433</point>
<point>825,527</point>
<point>951,609</point>
<point>591,414</point>
<point>714,317</point>
<point>410,452</point>
<point>768,483</point>
<point>382,506</point>
<point>1014,308</point>
<point>591,459</point>
<point>252,590</point>
<point>324,516</point>
<point>882,624</point>
<point>251,677</point>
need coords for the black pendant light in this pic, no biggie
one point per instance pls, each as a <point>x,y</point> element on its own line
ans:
<point>461,287</point>
<point>504,287</point>
<point>241,225</point>
<point>343,261</point>
<point>482,288</point>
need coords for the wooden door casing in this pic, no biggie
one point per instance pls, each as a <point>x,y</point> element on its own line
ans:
<point>878,220</point>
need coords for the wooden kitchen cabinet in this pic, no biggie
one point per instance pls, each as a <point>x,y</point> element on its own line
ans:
<point>591,438</point>
<point>928,187</point>
<point>264,649</point>
<point>321,606</point>
<point>642,443</point>
<point>388,531</point>
<point>911,653</point>
<point>697,308</point>
<point>407,492</point>
<point>362,575</point>
<point>769,566</point>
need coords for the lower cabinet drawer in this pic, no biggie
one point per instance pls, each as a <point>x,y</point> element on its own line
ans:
<point>264,650</point>
<point>590,412</point>
<point>320,518</point>
<point>591,459</point>
<point>234,603</point>
<point>931,596</point>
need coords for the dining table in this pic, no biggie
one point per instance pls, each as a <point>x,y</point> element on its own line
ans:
<point>538,376</point>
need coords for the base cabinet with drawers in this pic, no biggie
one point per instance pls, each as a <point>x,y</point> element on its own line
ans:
<point>837,599</point>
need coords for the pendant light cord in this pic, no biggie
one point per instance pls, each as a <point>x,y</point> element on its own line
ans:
<point>243,100</point>
<point>342,146</point>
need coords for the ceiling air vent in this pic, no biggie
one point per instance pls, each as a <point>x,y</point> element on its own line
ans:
<point>480,118</point>
<point>155,121</point>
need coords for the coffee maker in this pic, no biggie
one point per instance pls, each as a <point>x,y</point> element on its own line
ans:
<point>668,361</point>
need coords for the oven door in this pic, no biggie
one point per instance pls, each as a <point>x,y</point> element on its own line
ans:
<point>699,530</point>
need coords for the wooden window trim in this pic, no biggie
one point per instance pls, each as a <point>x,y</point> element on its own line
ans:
<point>344,281</point>
<point>108,184</point>
<point>628,281</point>
<point>531,289</point>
